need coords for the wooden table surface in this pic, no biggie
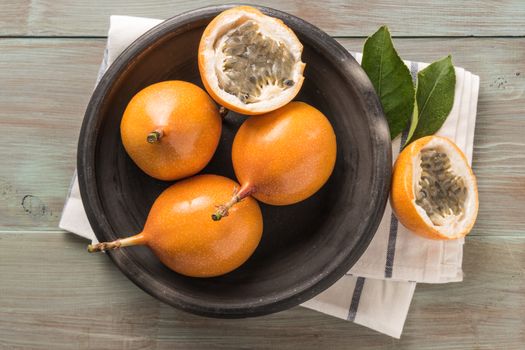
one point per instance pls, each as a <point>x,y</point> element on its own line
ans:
<point>54,296</point>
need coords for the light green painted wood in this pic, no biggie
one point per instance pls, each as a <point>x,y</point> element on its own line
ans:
<point>340,18</point>
<point>45,87</point>
<point>43,97</point>
<point>54,295</point>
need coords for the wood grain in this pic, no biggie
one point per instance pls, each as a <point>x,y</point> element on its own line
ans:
<point>54,295</point>
<point>14,9</point>
<point>43,97</point>
<point>339,18</point>
<point>45,88</point>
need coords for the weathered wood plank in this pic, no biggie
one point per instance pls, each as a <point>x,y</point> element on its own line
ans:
<point>340,18</point>
<point>54,295</point>
<point>45,86</point>
<point>43,97</point>
<point>14,17</point>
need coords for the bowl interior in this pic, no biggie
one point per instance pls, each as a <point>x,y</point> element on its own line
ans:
<point>306,246</point>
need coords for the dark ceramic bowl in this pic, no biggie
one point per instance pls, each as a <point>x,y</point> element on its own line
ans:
<point>305,247</point>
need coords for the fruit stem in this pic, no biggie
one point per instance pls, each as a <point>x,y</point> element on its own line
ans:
<point>238,195</point>
<point>223,112</point>
<point>118,243</point>
<point>155,136</point>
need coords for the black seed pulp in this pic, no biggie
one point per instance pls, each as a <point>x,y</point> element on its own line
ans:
<point>254,61</point>
<point>441,192</point>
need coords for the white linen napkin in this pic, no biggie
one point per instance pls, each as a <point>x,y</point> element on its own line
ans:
<point>378,290</point>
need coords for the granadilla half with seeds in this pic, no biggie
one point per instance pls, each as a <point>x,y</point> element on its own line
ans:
<point>434,191</point>
<point>250,62</point>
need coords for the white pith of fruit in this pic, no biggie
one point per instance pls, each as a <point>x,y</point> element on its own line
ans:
<point>450,225</point>
<point>271,96</point>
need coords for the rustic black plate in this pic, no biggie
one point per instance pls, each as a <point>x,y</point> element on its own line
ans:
<point>305,247</point>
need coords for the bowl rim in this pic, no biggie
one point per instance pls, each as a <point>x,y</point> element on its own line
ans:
<point>381,156</point>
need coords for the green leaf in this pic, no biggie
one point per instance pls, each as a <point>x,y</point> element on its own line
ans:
<point>413,125</point>
<point>434,98</point>
<point>391,79</point>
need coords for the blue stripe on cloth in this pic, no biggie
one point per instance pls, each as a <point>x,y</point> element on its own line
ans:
<point>392,235</point>
<point>355,298</point>
<point>391,250</point>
